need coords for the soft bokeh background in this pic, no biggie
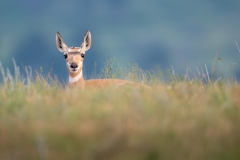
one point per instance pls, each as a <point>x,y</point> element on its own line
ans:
<point>150,33</point>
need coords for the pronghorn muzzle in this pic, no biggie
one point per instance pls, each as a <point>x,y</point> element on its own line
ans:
<point>74,65</point>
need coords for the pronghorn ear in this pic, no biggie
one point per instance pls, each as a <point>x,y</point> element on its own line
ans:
<point>87,41</point>
<point>62,47</point>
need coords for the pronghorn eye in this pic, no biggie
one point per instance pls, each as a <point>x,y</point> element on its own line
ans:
<point>82,55</point>
<point>65,56</point>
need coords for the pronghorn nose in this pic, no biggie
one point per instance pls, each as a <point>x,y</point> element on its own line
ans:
<point>74,65</point>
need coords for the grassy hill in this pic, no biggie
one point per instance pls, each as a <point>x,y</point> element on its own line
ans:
<point>180,119</point>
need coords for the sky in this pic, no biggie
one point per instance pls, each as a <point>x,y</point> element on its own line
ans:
<point>154,33</point>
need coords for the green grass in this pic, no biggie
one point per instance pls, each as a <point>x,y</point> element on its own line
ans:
<point>182,119</point>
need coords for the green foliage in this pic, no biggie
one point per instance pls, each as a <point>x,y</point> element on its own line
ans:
<point>40,119</point>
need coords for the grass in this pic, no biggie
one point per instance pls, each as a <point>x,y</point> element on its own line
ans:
<point>186,118</point>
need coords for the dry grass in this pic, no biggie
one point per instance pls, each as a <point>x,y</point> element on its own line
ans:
<point>179,120</point>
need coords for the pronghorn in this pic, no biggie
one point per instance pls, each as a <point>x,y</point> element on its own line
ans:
<point>74,60</point>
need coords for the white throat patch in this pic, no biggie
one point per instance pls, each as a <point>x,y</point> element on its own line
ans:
<point>75,79</point>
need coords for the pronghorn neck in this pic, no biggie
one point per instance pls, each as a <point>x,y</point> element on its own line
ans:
<point>76,78</point>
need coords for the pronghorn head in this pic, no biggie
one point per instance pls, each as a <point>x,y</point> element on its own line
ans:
<point>74,55</point>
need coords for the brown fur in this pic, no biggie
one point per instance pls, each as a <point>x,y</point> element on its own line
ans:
<point>100,83</point>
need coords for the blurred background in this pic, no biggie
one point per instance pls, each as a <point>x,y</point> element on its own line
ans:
<point>166,34</point>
